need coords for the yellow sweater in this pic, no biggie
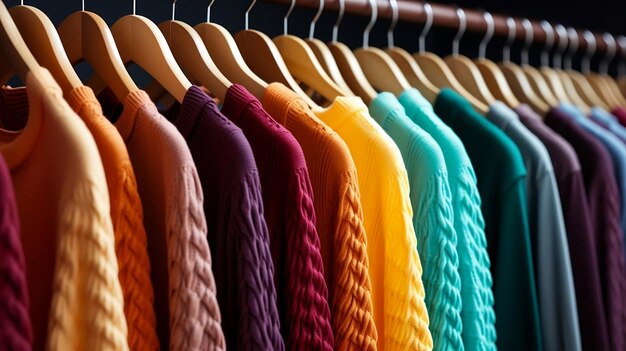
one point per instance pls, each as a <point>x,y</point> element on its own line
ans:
<point>395,270</point>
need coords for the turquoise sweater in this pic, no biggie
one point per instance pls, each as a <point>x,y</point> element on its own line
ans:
<point>479,330</point>
<point>432,220</point>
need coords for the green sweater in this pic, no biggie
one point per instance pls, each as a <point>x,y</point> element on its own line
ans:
<point>432,219</point>
<point>501,179</point>
<point>479,318</point>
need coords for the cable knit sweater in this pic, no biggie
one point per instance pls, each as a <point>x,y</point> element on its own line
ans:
<point>16,332</point>
<point>432,219</point>
<point>340,218</point>
<point>479,318</point>
<point>188,316</point>
<point>237,231</point>
<point>290,215</point>
<point>76,301</point>
<point>395,271</point>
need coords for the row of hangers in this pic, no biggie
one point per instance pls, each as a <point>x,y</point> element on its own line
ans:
<point>177,55</point>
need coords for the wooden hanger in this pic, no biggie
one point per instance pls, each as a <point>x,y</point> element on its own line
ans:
<point>435,68</point>
<point>15,56</point>
<point>352,72</point>
<point>464,69</point>
<point>192,56</point>
<point>44,42</point>
<point>601,82</point>
<point>263,57</point>
<point>86,37</point>
<point>224,52</point>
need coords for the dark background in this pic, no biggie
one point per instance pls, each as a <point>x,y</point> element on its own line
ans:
<point>596,15</point>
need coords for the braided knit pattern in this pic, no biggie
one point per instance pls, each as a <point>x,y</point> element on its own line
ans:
<point>15,327</point>
<point>194,312</point>
<point>479,317</point>
<point>352,320</point>
<point>259,325</point>
<point>308,313</point>
<point>87,311</point>
<point>436,243</point>
<point>134,264</point>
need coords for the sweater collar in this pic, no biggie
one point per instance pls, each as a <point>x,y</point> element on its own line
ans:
<point>194,102</point>
<point>237,100</point>
<point>133,104</point>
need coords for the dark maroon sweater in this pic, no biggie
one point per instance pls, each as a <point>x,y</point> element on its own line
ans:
<point>290,215</point>
<point>237,232</point>
<point>15,326</point>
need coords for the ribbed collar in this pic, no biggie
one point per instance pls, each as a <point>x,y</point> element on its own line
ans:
<point>81,97</point>
<point>449,105</point>
<point>194,102</point>
<point>280,103</point>
<point>134,102</point>
<point>418,100</point>
<point>238,99</point>
<point>14,108</point>
<point>385,106</point>
<point>341,110</point>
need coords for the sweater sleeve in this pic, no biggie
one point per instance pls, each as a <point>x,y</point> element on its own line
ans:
<point>259,324</point>
<point>194,312</point>
<point>15,326</point>
<point>134,263</point>
<point>352,309</point>
<point>87,309</point>
<point>308,314</point>
<point>436,244</point>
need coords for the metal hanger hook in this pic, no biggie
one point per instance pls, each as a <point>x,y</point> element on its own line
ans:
<point>370,25</point>
<point>545,57</point>
<point>342,10</point>
<point>563,40</point>
<point>621,66</point>
<point>208,11</point>
<point>248,14</point>
<point>428,10</point>
<point>173,10</point>
<point>529,36</point>
<point>609,55</point>
<point>82,5</point>
<point>506,52</point>
<point>320,9</point>
<point>286,18</point>
<point>572,49</point>
<point>134,6</point>
<point>482,48</point>
<point>459,34</point>
<point>394,21</point>
<point>590,39</point>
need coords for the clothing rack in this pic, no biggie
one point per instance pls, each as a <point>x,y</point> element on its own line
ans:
<point>446,16</point>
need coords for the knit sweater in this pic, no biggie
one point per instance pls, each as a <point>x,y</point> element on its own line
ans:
<point>188,315</point>
<point>16,332</point>
<point>395,270</point>
<point>479,332</point>
<point>237,231</point>
<point>432,219</point>
<point>76,300</point>
<point>290,215</point>
<point>340,218</point>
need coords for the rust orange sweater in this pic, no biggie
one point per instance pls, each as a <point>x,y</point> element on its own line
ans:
<point>339,218</point>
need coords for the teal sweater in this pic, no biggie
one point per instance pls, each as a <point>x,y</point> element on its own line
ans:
<point>479,330</point>
<point>432,219</point>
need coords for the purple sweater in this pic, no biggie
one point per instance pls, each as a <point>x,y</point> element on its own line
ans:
<point>237,232</point>
<point>15,327</point>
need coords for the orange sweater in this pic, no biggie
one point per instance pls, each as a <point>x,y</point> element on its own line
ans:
<point>339,218</point>
<point>72,272</point>
<point>127,216</point>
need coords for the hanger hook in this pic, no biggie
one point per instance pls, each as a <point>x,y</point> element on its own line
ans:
<point>590,39</point>
<point>506,53</point>
<point>573,48</point>
<point>342,10</point>
<point>545,57</point>
<point>529,36</point>
<point>427,26</point>
<point>370,25</point>
<point>563,41</point>
<point>286,18</point>
<point>134,6</point>
<point>394,21</point>
<point>459,34</point>
<point>482,48</point>
<point>320,9</point>
<point>621,66</point>
<point>173,10</point>
<point>248,14</point>
<point>609,55</point>
<point>208,11</point>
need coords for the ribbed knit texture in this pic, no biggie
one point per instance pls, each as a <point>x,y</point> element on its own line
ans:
<point>477,314</point>
<point>395,270</point>
<point>16,332</point>
<point>237,231</point>
<point>66,230</point>
<point>432,219</point>
<point>290,215</point>
<point>127,216</point>
<point>188,316</point>
<point>339,221</point>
